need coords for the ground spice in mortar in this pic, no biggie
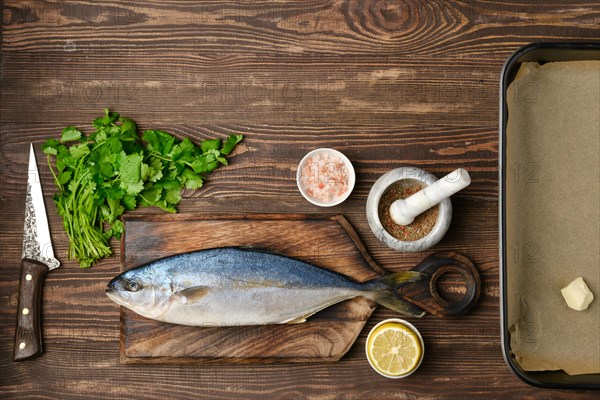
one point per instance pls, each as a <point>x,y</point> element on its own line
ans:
<point>422,224</point>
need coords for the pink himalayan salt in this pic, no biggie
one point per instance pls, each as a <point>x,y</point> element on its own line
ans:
<point>324,177</point>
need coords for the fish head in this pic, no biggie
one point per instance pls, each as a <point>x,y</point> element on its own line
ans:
<point>140,290</point>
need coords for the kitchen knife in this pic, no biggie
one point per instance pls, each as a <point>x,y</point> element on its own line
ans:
<point>37,260</point>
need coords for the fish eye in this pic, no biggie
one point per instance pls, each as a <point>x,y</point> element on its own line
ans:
<point>132,286</point>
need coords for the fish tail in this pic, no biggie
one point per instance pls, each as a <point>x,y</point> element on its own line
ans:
<point>384,291</point>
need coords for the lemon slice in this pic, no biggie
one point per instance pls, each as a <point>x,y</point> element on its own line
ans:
<point>394,349</point>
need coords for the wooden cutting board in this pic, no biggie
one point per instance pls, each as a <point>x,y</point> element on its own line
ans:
<point>328,242</point>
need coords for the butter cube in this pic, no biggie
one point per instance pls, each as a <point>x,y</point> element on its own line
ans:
<point>577,295</point>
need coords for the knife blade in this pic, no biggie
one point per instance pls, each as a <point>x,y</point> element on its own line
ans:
<point>37,259</point>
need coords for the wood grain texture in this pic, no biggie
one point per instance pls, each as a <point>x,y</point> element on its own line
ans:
<point>388,83</point>
<point>28,335</point>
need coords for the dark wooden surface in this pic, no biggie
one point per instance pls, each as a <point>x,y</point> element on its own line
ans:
<point>388,83</point>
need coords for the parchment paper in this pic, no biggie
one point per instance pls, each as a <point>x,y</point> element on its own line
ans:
<point>552,214</point>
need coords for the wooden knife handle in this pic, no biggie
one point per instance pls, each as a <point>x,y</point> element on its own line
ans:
<point>28,336</point>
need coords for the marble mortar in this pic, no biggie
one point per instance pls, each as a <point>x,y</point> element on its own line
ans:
<point>439,229</point>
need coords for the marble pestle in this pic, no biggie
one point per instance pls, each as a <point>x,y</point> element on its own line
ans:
<point>403,212</point>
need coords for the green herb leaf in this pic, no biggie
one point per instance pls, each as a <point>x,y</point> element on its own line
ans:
<point>173,196</point>
<point>130,168</point>
<point>191,179</point>
<point>156,167</point>
<point>204,163</point>
<point>70,134</point>
<point>109,118</point>
<point>128,130</point>
<point>230,144</point>
<point>113,170</point>
<point>129,202</point>
<point>64,177</point>
<point>184,151</point>
<point>79,150</point>
<point>132,187</point>
<point>50,147</point>
<point>213,144</point>
<point>116,209</point>
<point>117,228</point>
<point>159,141</point>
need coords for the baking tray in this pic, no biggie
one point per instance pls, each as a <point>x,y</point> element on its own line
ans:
<point>539,52</point>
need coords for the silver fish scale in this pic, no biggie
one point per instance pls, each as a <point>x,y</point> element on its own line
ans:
<point>31,245</point>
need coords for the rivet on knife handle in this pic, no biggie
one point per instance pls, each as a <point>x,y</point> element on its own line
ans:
<point>28,337</point>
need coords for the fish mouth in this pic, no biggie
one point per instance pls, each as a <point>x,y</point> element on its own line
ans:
<point>116,295</point>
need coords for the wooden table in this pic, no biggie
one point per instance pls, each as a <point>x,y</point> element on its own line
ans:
<point>387,83</point>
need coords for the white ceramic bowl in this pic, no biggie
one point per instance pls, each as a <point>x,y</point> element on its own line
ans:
<point>349,168</point>
<point>409,326</point>
<point>379,187</point>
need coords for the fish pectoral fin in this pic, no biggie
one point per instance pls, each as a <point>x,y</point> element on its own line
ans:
<point>298,320</point>
<point>301,319</point>
<point>192,294</point>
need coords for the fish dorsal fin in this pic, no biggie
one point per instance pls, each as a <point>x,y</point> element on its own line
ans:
<point>192,294</point>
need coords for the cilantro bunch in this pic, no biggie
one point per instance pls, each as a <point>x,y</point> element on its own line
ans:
<point>112,170</point>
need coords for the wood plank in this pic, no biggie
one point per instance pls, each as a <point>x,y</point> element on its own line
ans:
<point>330,27</point>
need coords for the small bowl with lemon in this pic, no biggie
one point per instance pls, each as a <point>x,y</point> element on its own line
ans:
<point>395,348</point>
